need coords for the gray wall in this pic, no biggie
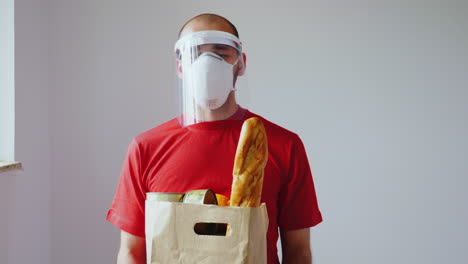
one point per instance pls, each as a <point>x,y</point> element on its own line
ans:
<point>376,90</point>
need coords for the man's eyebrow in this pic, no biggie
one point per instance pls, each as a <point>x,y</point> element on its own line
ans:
<point>220,47</point>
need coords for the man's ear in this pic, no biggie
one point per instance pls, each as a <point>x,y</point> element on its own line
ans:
<point>243,65</point>
<point>179,68</point>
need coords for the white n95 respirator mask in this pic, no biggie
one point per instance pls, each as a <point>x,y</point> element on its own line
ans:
<point>210,79</point>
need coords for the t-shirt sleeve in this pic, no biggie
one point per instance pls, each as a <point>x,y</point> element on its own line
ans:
<point>298,201</point>
<point>127,211</point>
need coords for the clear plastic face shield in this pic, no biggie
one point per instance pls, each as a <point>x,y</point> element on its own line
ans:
<point>208,66</point>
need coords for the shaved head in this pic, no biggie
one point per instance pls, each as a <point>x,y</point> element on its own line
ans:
<point>208,22</point>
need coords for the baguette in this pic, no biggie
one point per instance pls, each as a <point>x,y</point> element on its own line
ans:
<point>249,164</point>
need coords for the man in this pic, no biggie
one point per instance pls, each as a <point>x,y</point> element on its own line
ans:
<point>196,150</point>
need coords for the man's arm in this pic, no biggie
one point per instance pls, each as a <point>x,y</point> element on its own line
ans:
<point>132,249</point>
<point>296,246</point>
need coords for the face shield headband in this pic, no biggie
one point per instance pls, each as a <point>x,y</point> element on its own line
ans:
<point>207,37</point>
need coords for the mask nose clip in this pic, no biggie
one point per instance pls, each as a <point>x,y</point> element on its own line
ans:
<point>216,56</point>
<point>211,54</point>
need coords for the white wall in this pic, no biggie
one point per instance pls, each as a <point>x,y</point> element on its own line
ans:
<point>377,92</point>
<point>25,195</point>
<point>99,76</point>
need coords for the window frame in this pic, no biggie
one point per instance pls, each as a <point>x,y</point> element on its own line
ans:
<point>7,87</point>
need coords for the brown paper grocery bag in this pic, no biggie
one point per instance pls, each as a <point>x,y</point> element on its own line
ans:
<point>171,238</point>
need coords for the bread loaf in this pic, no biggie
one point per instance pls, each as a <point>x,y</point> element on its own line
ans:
<point>249,164</point>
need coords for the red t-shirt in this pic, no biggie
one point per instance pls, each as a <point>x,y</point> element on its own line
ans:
<point>169,158</point>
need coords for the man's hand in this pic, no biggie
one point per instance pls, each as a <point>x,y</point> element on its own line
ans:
<point>132,249</point>
<point>296,246</point>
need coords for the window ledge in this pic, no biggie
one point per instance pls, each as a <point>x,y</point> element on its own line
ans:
<point>10,166</point>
